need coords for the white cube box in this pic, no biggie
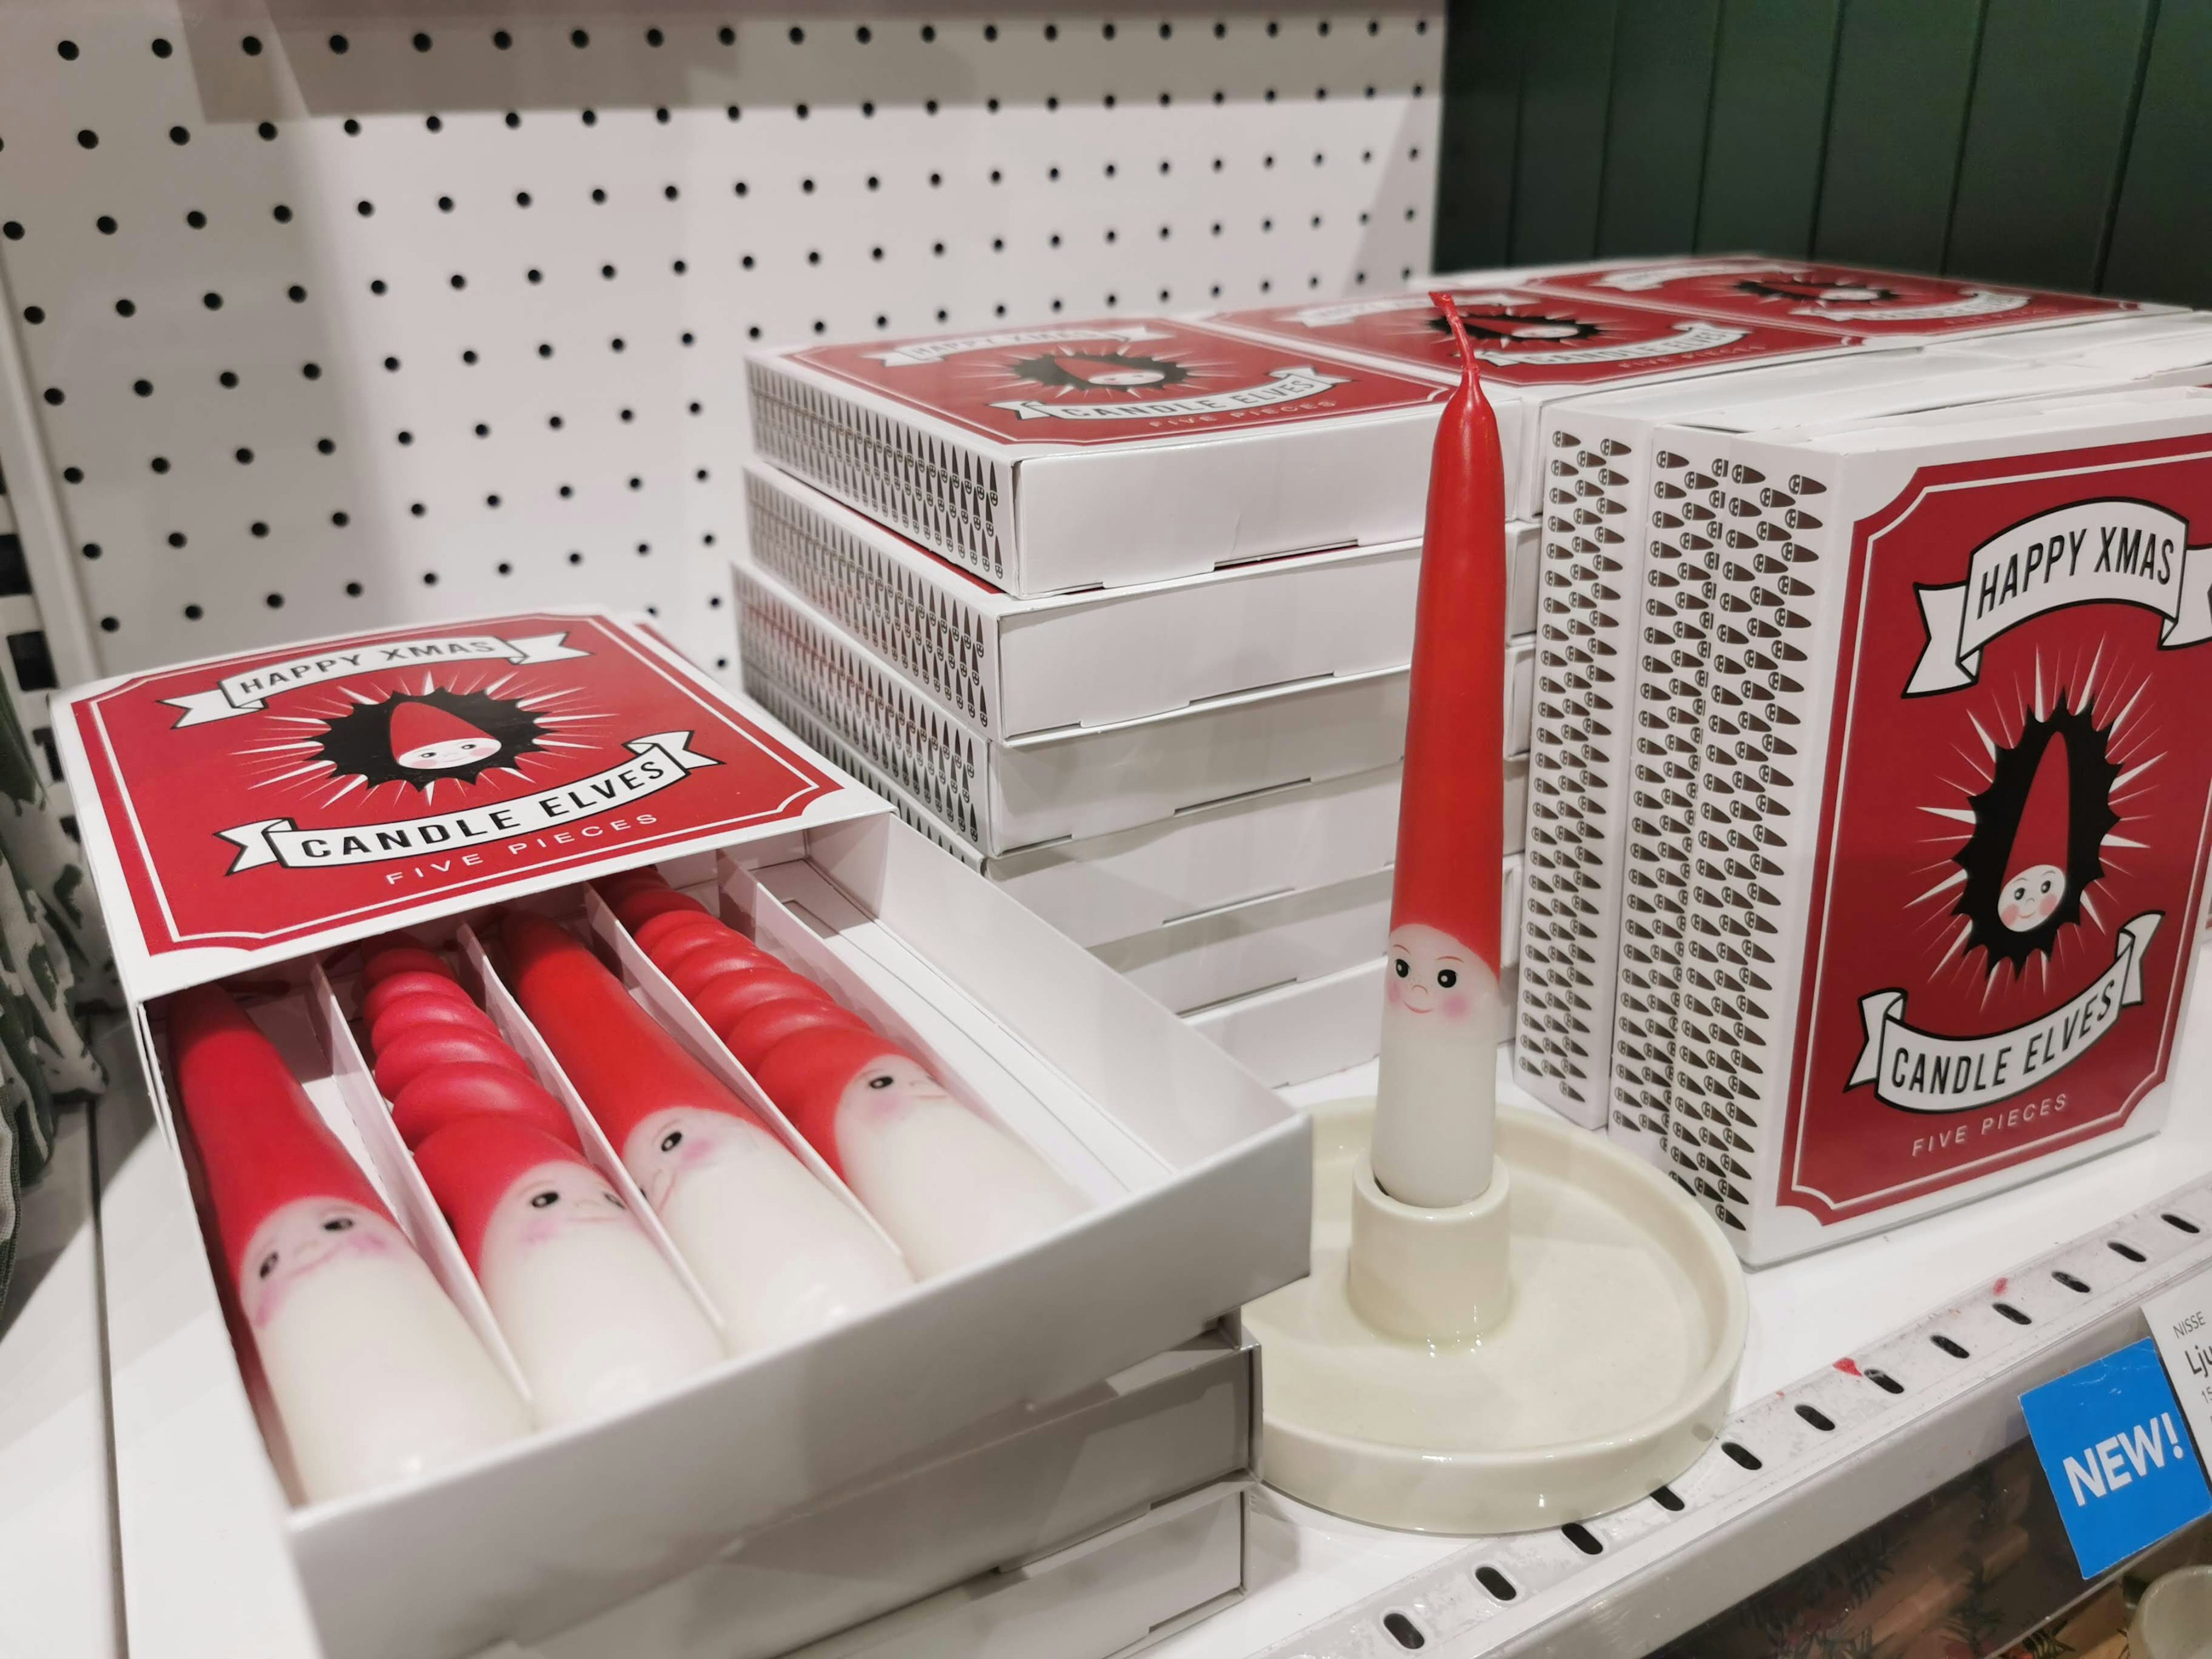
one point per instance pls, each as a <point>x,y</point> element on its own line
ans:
<point>1934,938</point>
<point>1002,795</point>
<point>1194,1175</point>
<point>1013,667</point>
<point>1083,454</point>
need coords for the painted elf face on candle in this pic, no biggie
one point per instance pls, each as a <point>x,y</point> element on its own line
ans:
<point>555,1200</point>
<point>302,1236</point>
<point>883,1089</point>
<point>1432,973</point>
<point>669,1145</point>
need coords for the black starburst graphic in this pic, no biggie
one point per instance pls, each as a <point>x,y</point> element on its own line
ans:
<point>359,743</point>
<point>1099,371</point>
<point>1502,326</point>
<point>1818,292</point>
<point>2091,772</point>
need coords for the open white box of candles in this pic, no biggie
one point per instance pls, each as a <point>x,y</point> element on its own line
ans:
<point>1181,1182</point>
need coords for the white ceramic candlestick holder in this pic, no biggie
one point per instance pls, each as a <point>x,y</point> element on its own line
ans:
<point>1561,1346</point>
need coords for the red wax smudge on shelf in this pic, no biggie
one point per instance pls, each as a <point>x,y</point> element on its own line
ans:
<point>262,1144</point>
<point>477,1088</point>
<point>399,986</point>
<point>1849,1367</point>
<point>410,1057</point>
<point>1451,812</point>
<point>623,1063</point>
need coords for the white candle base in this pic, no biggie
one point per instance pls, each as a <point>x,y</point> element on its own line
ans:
<point>377,1377</point>
<point>950,1187</point>
<point>778,1252</point>
<point>1607,1375</point>
<point>1431,1273</point>
<point>596,1319</point>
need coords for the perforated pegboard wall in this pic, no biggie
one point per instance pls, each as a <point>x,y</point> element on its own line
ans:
<point>324,322</point>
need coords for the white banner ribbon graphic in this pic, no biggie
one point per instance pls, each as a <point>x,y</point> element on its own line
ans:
<point>1352,310</point>
<point>662,759</point>
<point>1642,277</point>
<point>1283,385</point>
<point>1977,302</point>
<point>245,694</point>
<point>920,353</point>
<point>2108,552</point>
<point>1686,337</point>
<point>1920,1072</point>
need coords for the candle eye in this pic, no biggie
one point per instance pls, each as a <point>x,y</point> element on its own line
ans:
<point>338,1224</point>
<point>881,1080</point>
<point>1447,977</point>
<point>1401,967</point>
<point>543,1201</point>
<point>268,1265</point>
<point>672,1141</point>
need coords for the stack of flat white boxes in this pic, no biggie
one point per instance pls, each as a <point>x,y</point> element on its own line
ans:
<point>1119,611</point>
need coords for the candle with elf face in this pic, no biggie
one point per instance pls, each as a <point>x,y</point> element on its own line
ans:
<point>777,1252</point>
<point>1436,1098</point>
<point>950,1187</point>
<point>373,1372</point>
<point>596,1319</point>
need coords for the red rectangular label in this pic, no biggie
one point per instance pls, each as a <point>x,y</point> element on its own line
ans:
<point>1115,380</point>
<point>262,798</point>
<point>2013,839</point>
<point>1835,299</point>
<point>1523,337</point>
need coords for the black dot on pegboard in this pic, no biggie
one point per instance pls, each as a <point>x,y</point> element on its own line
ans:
<point>144,388</point>
<point>91,549</point>
<point>629,415</point>
<point>193,613</point>
<point>109,624</point>
<point>324,445</point>
<point>416,509</point>
<point>340,519</point>
<point>653,37</point>
<point>227,377</point>
<point>339,44</point>
<point>160,463</point>
<point>491,501</point>
<point>429,579</point>
<point>212,300</point>
<point>928,32</point>
<point>275,601</point>
<point>406,438</point>
<point>501,39</point>
<point>376,285</point>
<point>295,293</point>
<point>422,43</point>
<point>578,38</point>
<point>68,51</point>
<point>714,602</point>
<point>267,130</point>
<point>352,127</point>
<point>553,421</point>
<point>311,371</point>
<point>103,225</point>
<point>434,123</point>
<point>176,539</point>
<point>73,474</point>
<point>575,558</point>
<point>161,48</point>
<point>591,117</point>
<point>177,136</point>
<point>13,230</point>
<point>35,315</point>
<point>636,483</point>
<point>257,528</point>
<point>353,590</point>
<point>505,568</point>
<point>535,275</point>
<point>90,139</point>
<point>243,457</point>
<point>513,119</point>
<point>701,475</point>
<point>459,280</point>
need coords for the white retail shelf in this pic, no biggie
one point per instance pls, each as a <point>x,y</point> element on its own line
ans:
<point>1318,1586</point>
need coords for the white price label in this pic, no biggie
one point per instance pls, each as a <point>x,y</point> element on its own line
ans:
<point>2181,1325</point>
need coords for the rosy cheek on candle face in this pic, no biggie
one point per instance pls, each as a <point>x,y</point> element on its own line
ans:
<point>1456,1005</point>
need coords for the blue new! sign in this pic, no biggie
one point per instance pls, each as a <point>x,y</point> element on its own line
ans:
<point>2118,1458</point>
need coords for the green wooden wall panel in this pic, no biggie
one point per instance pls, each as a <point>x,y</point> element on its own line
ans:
<point>1481,123</point>
<point>1566,65</point>
<point>1905,69</point>
<point>1655,143</point>
<point>1764,142</point>
<point>2067,143</point>
<point>2161,241</point>
<point>2053,98</point>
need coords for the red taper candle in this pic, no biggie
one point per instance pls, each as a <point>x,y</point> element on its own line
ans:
<point>1435,1099</point>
